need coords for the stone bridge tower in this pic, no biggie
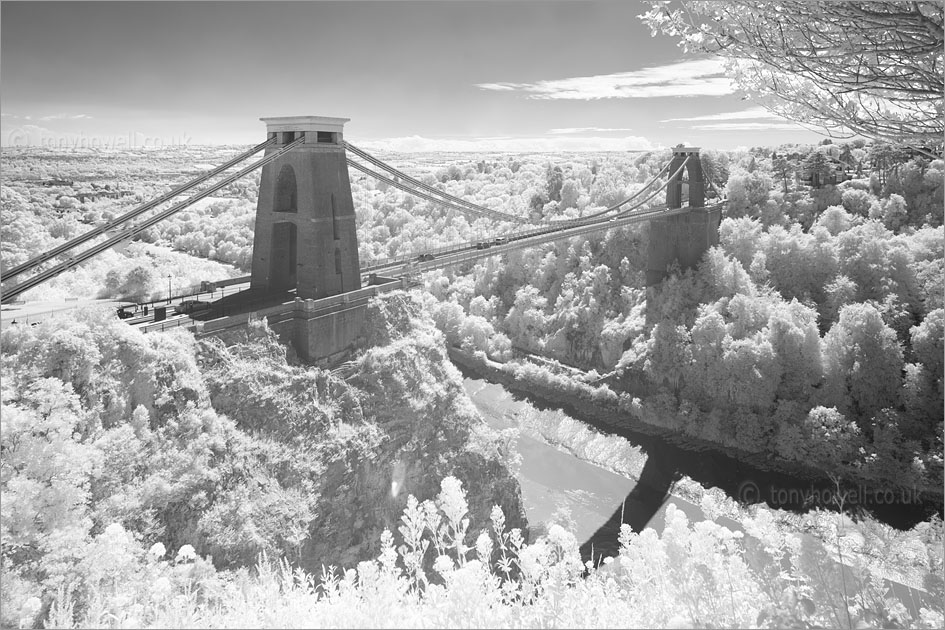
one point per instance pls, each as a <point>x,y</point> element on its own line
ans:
<point>305,236</point>
<point>683,238</point>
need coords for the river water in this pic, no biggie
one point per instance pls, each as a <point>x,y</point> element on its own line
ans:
<point>553,480</point>
<point>598,500</point>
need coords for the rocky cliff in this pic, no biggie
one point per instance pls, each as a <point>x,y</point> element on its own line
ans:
<point>392,423</point>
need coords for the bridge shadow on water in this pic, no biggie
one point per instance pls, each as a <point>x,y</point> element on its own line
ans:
<point>638,509</point>
<point>667,463</point>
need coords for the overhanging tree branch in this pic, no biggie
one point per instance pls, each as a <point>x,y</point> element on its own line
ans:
<point>871,68</point>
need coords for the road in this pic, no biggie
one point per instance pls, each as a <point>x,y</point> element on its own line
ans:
<point>37,311</point>
<point>34,312</point>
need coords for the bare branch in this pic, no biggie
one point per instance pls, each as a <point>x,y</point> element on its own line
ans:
<point>872,68</point>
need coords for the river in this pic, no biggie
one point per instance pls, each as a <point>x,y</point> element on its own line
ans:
<point>599,500</point>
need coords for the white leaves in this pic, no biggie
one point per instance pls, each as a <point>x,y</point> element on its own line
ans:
<point>826,64</point>
<point>185,554</point>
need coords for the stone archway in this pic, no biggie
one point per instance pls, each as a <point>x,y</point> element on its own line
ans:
<point>287,192</point>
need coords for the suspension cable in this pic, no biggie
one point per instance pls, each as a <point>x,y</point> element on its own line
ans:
<point>556,226</point>
<point>426,187</point>
<point>630,198</point>
<point>544,235</point>
<point>101,229</point>
<point>501,216</point>
<point>481,209</point>
<point>571,223</point>
<point>656,192</point>
<point>9,294</point>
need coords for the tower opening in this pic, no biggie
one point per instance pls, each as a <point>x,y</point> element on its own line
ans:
<point>334,220</point>
<point>287,193</point>
<point>284,256</point>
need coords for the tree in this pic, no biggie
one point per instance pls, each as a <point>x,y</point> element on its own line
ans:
<point>817,169</point>
<point>746,192</point>
<point>830,437</point>
<point>878,264</point>
<point>668,354</point>
<point>792,331</point>
<point>449,317</point>
<point>782,167</point>
<point>835,219</point>
<point>870,68</point>
<point>555,181</point>
<point>137,284</point>
<point>927,343</point>
<point>799,264</point>
<point>526,321</point>
<point>862,362</point>
<point>570,193</point>
<point>740,238</point>
<point>857,201</point>
<point>894,212</point>
<point>702,378</point>
<point>714,167</point>
<point>749,374</point>
<point>885,158</point>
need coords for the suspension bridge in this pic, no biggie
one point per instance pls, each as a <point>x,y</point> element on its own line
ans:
<point>306,276</point>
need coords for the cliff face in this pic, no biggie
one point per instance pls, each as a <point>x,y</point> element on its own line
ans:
<point>395,426</point>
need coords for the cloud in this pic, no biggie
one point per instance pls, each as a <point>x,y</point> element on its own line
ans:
<point>49,117</point>
<point>64,117</point>
<point>587,129</point>
<point>418,144</point>
<point>498,87</point>
<point>700,77</point>
<point>748,114</point>
<point>749,126</point>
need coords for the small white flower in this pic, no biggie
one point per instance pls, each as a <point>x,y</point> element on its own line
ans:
<point>484,546</point>
<point>161,588</point>
<point>562,537</point>
<point>443,565</point>
<point>115,530</point>
<point>185,554</point>
<point>452,499</point>
<point>157,550</point>
<point>531,559</point>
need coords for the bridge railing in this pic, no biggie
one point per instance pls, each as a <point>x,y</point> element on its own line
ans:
<point>296,308</point>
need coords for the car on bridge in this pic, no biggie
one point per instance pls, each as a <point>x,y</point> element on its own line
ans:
<point>189,307</point>
<point>483,245</point>
<point>425,257</point>
<point>501,240</point>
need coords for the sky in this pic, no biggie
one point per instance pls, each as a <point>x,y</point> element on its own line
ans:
<point>411,76</point>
